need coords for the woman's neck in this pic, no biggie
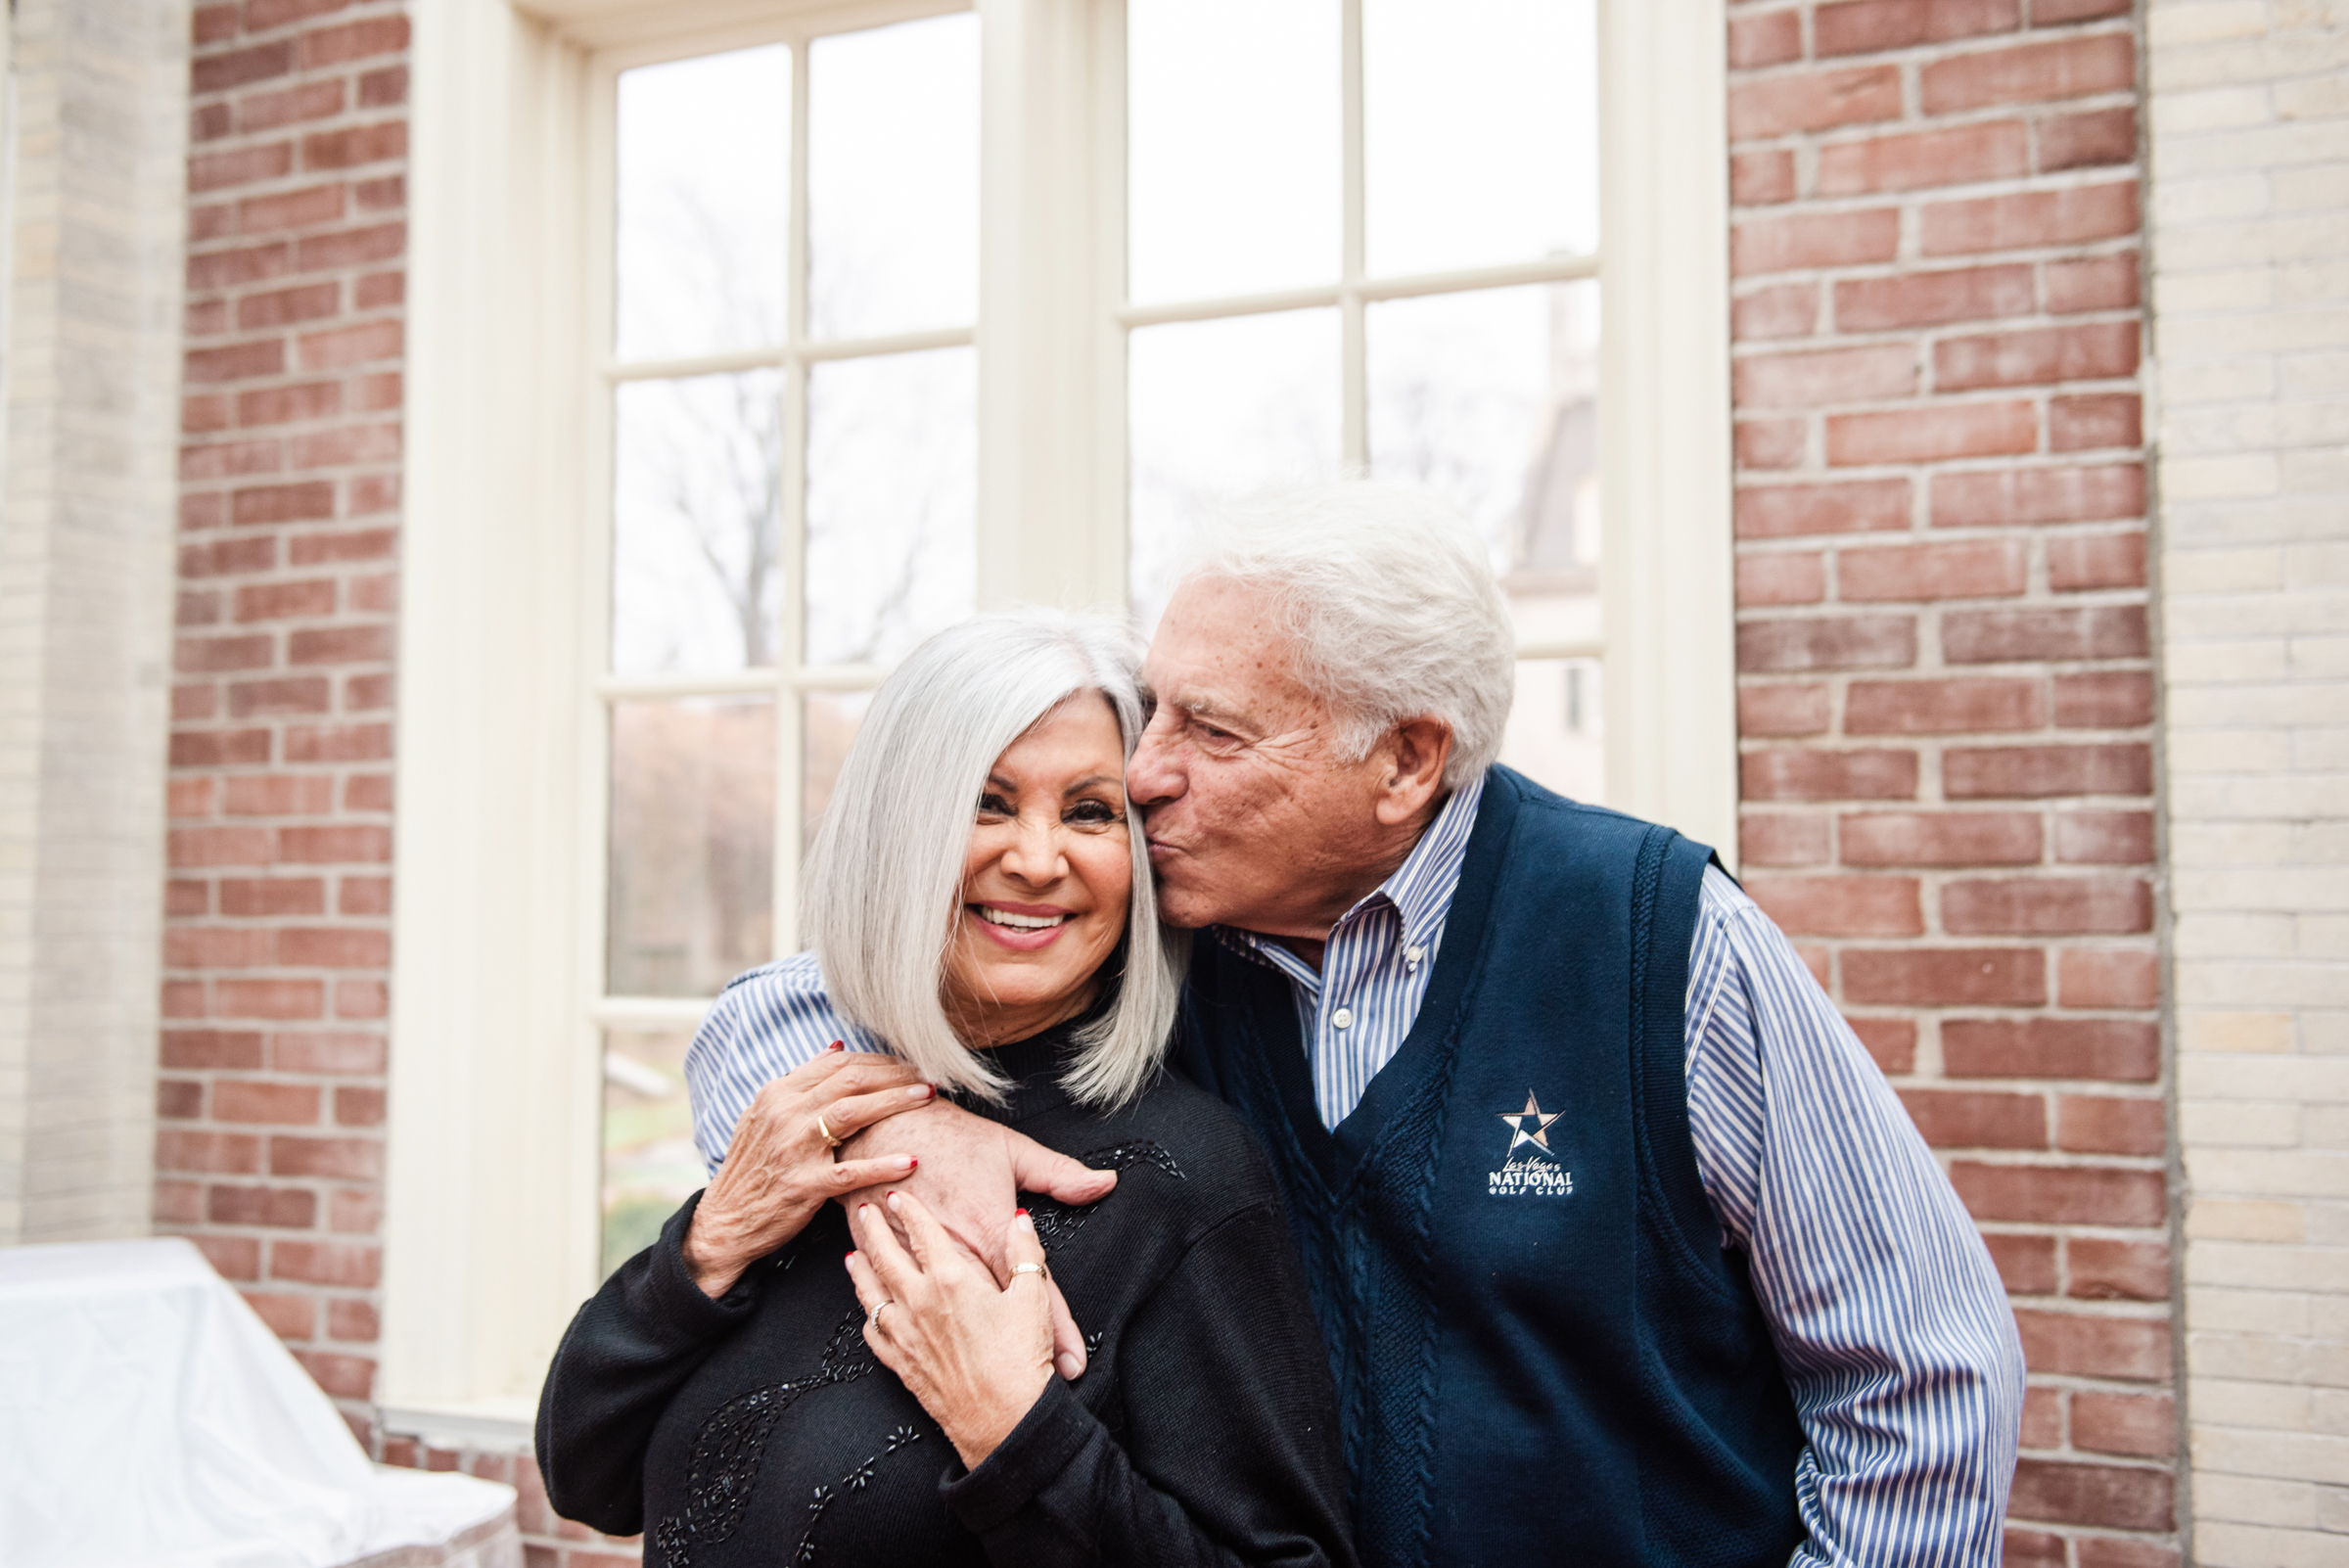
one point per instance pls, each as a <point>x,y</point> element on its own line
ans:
<point>983,1025</point>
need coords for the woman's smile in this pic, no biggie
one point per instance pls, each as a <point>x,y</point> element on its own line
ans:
<point>1024,927</point>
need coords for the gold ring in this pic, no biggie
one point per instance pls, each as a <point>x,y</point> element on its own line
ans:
<point>1020,1268</point>
<point>824,1130</point>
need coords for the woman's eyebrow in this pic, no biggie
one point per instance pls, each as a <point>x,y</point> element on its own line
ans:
<point>1092,781</point>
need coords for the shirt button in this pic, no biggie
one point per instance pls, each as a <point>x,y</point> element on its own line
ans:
<point>1413,955</point>
<point>1343,1018</point>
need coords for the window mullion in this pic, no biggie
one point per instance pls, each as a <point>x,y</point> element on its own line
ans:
<point>1355,374</point>
<point>791,664</point>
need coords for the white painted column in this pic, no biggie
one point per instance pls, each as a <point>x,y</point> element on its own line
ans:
<point>95,221</point>
<point>1049,254</point>
<point>1665,568</point>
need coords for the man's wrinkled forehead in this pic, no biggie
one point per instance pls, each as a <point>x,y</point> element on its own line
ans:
<point>1188,692</point>
<point>1218,654</point>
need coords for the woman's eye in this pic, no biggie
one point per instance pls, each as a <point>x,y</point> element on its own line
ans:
<point>993,805</point>
<point>1092,812</point>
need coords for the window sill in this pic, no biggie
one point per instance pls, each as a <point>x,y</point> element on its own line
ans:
<point>503,1425</point>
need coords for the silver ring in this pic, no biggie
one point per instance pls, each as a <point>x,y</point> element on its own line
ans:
<point>872,1319</point>
<point>824,1130</point>
<point>1020,1268</point>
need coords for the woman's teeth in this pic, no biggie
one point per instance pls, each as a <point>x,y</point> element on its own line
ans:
<point>1005,917</point>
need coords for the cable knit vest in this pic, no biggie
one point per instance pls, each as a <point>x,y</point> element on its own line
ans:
<point>1544,1349</point>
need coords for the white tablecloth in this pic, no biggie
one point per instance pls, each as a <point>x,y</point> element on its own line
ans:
<point>149,1418</point>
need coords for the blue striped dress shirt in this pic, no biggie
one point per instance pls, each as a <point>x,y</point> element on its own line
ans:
<point>1893,1329</point>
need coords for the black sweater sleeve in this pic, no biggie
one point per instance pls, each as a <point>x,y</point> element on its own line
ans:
<point>1230,1454</point>
<point>626,1355</point>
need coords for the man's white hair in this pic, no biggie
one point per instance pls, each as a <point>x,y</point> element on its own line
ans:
<point>884,884</point>
<point>1389,598</point>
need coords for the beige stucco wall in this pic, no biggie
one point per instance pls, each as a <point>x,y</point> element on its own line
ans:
<point>94,227</point>
<point>2250,151</point>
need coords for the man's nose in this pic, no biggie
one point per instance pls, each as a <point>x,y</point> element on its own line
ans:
<point>1151,776</point>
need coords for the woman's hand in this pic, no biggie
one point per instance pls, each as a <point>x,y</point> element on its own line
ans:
<point>779,1169</point>
<point>971,1174</point>
<point>976,1357</point>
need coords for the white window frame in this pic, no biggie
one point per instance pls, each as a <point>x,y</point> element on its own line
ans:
<point>490,1228</point>
<point>791,678</point>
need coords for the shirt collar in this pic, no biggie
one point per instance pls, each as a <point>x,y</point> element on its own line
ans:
<point>1420,889</point>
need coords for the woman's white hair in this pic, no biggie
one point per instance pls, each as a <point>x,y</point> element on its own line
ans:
<point>883,885</point>
<point>1388,597</point>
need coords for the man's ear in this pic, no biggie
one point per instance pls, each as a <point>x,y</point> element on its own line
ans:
<point>1412,774</point>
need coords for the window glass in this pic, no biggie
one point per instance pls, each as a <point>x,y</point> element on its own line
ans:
<point>892,475</point>
<point>1479,131</point>
<point>703,204</point>
<point>1216,408</point>
<point>1556,733</point>
<point>1491,397</point>
<point>832,719</point>
<point>691,878</point>
<point>1232,111</point>
<point>649,1165</point>
<point>893,178</point>
<point>697,540</point>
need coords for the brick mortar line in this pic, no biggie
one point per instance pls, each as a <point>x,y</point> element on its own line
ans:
<point>2031,462</point>
<point>1913,59</point>
<point>1933,332</point>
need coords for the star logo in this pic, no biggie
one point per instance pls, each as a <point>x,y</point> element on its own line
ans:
<point>1531,1124</point>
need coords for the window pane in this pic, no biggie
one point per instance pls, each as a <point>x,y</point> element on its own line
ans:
<point>649,1165</point>
<point>1556,735</point>
<point>1232,110</point>
<point>893,478</point>
<point>893,178</point>
<point>703,177</point>
<point>1489,397</point>
<point>696,572</point>
<point>1218,408</point>
<point>1479,131</point>
<point>693,843</point>
<point>832,719</point>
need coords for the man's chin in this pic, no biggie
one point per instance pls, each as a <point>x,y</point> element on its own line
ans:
<point>1183,908</point>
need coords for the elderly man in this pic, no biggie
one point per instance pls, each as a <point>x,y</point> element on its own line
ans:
<point>1622,1246</point>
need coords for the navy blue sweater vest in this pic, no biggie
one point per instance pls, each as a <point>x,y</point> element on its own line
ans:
<point>1542,1348</point>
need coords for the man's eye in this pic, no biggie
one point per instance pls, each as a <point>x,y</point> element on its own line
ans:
<point>1215,734</point>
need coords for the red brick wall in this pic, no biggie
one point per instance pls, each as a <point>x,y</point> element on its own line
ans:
<point>277,940</point>
<point>1945,690</point>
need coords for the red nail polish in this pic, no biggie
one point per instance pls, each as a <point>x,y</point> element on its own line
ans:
<point>838,1046</point>
<point>1019,1213</point>
<point>913,1162</point>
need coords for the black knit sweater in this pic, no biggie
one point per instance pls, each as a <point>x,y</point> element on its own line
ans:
<point>758,1428</point>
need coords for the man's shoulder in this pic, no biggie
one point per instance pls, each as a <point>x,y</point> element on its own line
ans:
<point>778,1003</point>
<point>794,984</point>
<point>1560,810</point>
<point>1555,842</point>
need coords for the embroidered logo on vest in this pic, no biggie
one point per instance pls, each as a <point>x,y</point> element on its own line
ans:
<point>1536,1173</point>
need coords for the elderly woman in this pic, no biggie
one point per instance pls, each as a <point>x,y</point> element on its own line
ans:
<point>776,1380</point>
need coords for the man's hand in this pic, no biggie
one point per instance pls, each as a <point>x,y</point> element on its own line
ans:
<point>971,1175</point>
<point>779,1168</point>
